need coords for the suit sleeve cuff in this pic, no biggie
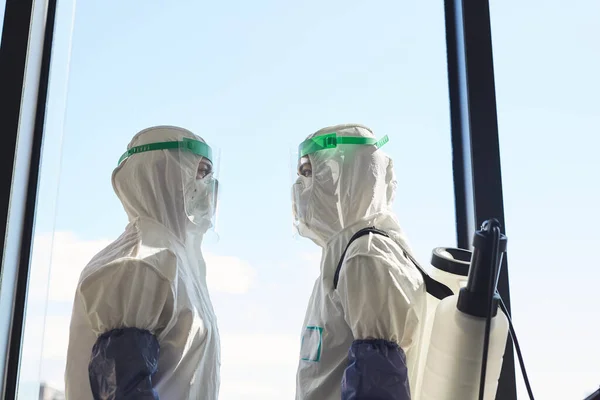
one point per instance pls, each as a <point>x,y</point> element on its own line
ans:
<point>122,364</point>
<point>376,370</point>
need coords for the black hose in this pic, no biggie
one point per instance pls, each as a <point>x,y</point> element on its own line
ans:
<point>495,259</point>
<point>513,335</point>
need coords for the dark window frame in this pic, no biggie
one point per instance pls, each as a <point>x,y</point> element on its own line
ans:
<point>475,142</point>
<point>25,51</point>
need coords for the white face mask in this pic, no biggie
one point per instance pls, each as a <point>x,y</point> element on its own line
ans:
<point>199,197</point>
<point>301,199</point>
<point>301,196</point>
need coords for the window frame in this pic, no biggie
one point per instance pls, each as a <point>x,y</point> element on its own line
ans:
<point>475,142</point>
<point>25,52</point>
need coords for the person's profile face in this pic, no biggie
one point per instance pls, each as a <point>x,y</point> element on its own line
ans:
<point>204,168</point>
<point>305,167</point>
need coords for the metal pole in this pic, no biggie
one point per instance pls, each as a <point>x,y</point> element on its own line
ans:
<point>476,148</point>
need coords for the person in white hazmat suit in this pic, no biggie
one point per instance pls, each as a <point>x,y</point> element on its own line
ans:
<point>143,326</point>
<point>361,332</point>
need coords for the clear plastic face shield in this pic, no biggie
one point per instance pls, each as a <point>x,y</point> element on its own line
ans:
<point>320,158</point>
<point>300,181</point>
<point>198,165</point>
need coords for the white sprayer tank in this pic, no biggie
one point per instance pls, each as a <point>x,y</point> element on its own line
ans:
<point>449,266</point>
<point>454,359</point>
<point>453,366</point>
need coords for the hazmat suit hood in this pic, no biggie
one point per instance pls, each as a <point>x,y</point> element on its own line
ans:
<point>150,184</point>
<point>351,187</point>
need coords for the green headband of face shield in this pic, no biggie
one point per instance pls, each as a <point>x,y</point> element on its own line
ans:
<point>331,140</point>
<point>193,146</point>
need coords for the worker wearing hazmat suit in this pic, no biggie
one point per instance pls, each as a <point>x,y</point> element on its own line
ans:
<point>143,326</point>
<point>363,322</point>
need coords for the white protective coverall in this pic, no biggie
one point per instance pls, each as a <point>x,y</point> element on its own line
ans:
<point>351,333</point>
<point>152,281</point>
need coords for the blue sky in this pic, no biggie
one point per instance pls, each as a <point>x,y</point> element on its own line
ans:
<point>254,78</point>
<point>2,6</point>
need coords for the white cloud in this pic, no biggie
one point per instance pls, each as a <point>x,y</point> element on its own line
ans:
<point>259,350</point>
<point>56,337</point>
<point>313,257</point>
<point>258,366</point>
<point>242,389</point>
<point>66,255</point>
<point>228,274</point>
<point>70,254</point>
<point>32,350</point>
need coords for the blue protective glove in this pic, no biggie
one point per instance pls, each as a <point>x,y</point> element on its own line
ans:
<point>376,371</point>
<point>122,365</point>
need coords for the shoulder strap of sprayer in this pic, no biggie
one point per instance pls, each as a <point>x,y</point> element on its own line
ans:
<point>434,288</point>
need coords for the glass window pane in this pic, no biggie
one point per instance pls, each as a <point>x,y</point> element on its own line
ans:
<point>33,349</point>
<point>255,79</point>
<point>547,62</point>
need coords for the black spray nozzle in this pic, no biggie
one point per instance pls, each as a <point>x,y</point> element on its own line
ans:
<point>489,245</point>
